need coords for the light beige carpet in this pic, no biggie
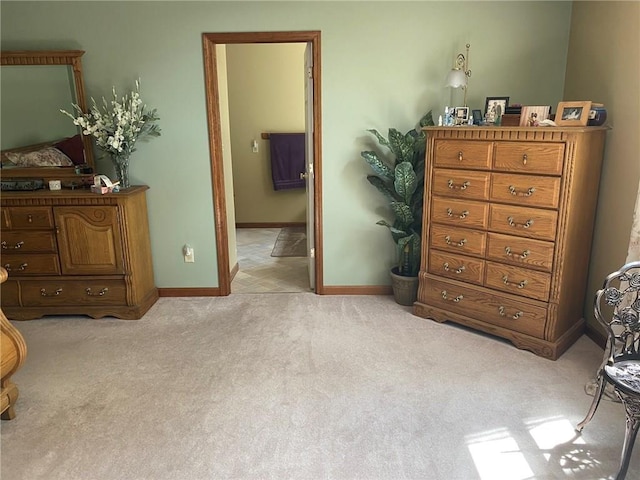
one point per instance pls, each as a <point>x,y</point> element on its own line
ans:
<point>291,242</point>
<point>299,386</point>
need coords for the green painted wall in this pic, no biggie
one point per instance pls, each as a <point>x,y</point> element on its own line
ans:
<point>383,64</point>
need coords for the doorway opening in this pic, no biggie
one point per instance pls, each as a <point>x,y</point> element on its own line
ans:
<point>222,182</point>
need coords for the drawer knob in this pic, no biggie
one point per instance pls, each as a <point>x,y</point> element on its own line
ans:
<point>460,156</point>
<point>448,241</point>
<point>509,253</point>
<point>528,193</point>
<point>526,224</point>
<point>44,293</point>
<point>454,299</point>
<point>515,316</point>
<point>98,294</point>
<point>521,284</point>
<point>462,186</point>
<point>446,267</point>
<point>9,247</point>
<point>30,218</point>
<point>524,159</point>
<point>21,268</point>
<point>459,215</point>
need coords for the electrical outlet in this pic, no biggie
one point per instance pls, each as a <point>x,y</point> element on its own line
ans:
<point>188,254</point>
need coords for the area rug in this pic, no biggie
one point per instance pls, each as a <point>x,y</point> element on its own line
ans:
<point>291,242</point>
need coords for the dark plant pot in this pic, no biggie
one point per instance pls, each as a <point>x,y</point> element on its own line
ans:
<point>405,289</point>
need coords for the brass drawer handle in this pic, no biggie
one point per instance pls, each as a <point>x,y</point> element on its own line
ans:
<point>521,284</point>
<point>44,293</point>
<point>30,218</point>
<point>446,267</point>
<point>524,159</point>
<point>460,156</point>
<point>459,215</point>
<point>21,268</point>
<point>528,193</point>
<point>523,255</point>
<point>448,241</point>
<point>515,316</point>
<point>15,247</point>
<point>99,294</point>
<point>462,186</point>
<point>455,299</point>
<point>526,224</point>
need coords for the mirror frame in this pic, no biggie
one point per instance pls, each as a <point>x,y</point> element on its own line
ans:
<point>72,58</point>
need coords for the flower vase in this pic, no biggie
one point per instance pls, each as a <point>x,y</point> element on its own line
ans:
<point>121,164</point>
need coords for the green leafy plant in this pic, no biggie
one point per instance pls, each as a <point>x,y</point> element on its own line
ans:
<point>399,176</point>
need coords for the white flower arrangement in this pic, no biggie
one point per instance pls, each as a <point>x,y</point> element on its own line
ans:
<point>120,124</point>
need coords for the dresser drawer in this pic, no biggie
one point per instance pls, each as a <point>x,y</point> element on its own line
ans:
<point>14,241</point>
<point>31,264</point>
<point>525,222</point>
<point>518,281</point>
<point>463,154</point>
<point>72,292</point>
<point>504,311</point>
<point>528,190</point>
<point>529,157</point>
<point>10,294</point>
<point>458,240</point>
<point>460,212</point>
<point>525,252</point>
<point>461,183</point>
<point>458,267</point>
<point>32,218</point>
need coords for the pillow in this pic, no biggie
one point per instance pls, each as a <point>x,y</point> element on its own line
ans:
<point>73,148</point>
<point>45,157</point>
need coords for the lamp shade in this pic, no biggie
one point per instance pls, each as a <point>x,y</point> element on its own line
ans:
<point>456,78</point>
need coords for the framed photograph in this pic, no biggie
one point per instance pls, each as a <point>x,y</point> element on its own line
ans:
<point>531,116</point>
<point>573,114</point>
<point>462,115</point>
<point>495,107</point>
<point>477,117</point>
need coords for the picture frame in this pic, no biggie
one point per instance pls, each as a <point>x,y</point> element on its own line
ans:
<point>531,115</point>
<point>477,116</point>
<point>573,114</point>
<point>491,110</point>
<point>461,115</point>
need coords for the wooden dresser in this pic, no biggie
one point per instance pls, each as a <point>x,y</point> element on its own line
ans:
<point>76,252</point>
<point>508,221</point>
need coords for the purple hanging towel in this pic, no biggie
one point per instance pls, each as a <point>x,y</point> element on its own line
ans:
<point>287,160</point>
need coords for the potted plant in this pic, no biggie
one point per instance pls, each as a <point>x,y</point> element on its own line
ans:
<point>399,176</point>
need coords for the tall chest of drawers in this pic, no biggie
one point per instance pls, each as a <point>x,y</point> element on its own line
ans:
<point>508,221</point>
<point>76,252</point>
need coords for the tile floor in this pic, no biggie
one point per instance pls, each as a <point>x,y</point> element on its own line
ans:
<point>260,272</point>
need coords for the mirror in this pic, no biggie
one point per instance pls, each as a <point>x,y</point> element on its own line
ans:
<point>35,86</point>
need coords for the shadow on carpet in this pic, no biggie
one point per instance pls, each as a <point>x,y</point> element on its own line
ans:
<point>291,242</point>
